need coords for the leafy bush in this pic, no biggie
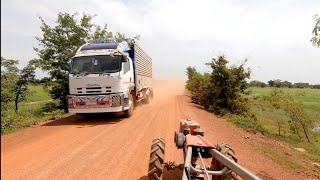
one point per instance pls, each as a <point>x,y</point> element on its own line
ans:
<point>299,119</point>
<point>49,107</point>
<point>221,91</point>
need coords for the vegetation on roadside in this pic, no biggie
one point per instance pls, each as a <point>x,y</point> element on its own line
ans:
<point>278,123</point>
<point>290,117</point>
<point>14,82</point>
<point>222,90</point>
<point>278,83</point>
<point>37,107</point>
<point>17,93</point>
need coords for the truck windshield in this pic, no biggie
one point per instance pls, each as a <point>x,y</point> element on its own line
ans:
<point>96,64</point>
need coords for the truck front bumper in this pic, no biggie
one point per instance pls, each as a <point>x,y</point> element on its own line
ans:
<point>97,110</point>
<point>97,103</point>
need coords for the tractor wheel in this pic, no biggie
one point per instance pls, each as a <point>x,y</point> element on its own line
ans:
<point>226,150</point>
<point>156,163</point>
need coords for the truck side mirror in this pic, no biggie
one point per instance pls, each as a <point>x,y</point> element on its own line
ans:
<point>124,58</point>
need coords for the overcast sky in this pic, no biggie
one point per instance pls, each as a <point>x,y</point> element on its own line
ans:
<point>273,35</point>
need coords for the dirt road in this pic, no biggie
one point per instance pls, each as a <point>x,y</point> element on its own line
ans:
<point>110,147</point>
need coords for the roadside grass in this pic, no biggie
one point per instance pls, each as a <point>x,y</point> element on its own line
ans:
<point>37,93</point>
<point>268,119</point>
<point>29,114</point>
<point>287,159</point>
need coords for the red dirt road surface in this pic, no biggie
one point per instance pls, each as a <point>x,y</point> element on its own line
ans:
<point>111,147</point>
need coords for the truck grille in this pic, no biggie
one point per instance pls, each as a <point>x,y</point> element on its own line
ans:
<point>94,90</point>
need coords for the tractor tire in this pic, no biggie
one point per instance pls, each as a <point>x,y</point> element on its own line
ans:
<point>128,113</point>
<point>156,163</point>
<point>226,150</point>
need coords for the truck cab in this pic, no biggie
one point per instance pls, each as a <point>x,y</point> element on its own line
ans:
<point>104,78</point>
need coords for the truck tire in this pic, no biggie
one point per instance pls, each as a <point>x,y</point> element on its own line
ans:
<point>147,100</point>
<point>129,112</point>
<point>156,163</point>
<point>226,150</point>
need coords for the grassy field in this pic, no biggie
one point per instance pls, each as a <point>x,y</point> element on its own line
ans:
<point>37,93</point>
<point>309,97</point>
<point>269,118</point>
<point>30,111</point>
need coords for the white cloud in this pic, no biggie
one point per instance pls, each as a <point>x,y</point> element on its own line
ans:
<point>273,35</point>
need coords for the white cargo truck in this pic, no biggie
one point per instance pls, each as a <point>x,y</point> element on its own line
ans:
<point>109,76</point>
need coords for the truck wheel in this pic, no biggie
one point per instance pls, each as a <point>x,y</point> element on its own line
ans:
<point>147,100</point>
<point>226,150</point>
<point>129,112</point>
<point>156,163</point>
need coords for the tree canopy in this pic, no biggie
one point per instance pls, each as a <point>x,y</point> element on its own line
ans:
<point>222,90</point>
<point>315,40</point>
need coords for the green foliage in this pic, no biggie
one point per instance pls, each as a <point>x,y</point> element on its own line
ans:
<point>197,86</point>
<point>9,77</point>
<point>295,110</point>
<point>58,45</point>
<point>26,76</point>
<point>316,86</point>
<point>31,111</point>
<point>37,93</point>
<point>257,83</point>
<point>269,117</point>
<point>14,82</point>
<point>227,87</point>
<point>191,71</point>
<point>279,83</point>
<point>49,107</point>
<point>100,32</point>
<point>315,40</point>
<point>28,115</point>
<point>301,85</point>
<point>221,91</point>
<point>250,124</point>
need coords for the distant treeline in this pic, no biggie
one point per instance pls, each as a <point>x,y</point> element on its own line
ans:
<point>279,83</point>
<point>42,81</point>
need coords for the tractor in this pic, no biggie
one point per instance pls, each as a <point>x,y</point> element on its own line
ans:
<point>190,139</point>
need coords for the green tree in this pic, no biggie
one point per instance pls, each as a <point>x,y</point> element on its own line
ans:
<point>287,84</point>
<point>315,40</point>
<point>9,76</point>
<point>278,83</point>
<point>191,71</point>
<point>271,83</point>
<point>197,86</point>
<point>14,82</point>
<point>301,85</point>
<point>26,76</point>
<point>256,83</point>
<point>228,85</point>
<point>44,80</point>
<point>57,46</point>
<point>295,110</point>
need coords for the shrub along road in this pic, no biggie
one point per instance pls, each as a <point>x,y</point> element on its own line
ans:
<point>110,147</point>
